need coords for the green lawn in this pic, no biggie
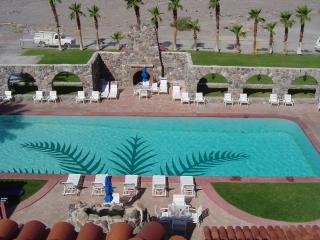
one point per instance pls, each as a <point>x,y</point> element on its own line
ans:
<point>305,80</point>
<point>213,78</point>
<point>292,202</point>
<point>54,56</point>
<point>29,188</point>
<point>66,77</point>
<point>259,79</point>
<point>259,60</point>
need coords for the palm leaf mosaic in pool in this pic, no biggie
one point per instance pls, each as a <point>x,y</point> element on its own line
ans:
<point>71,159</point>
<point>133,157</point>
<point>199,165</point>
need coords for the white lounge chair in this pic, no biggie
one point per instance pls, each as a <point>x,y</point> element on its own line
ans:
<point>105,91</point>
<point>52,97</point>
<point>98,185</point>
<point>7,96</point>
<point>185,97</point>
<point>187,186</point>
<point>130,186</point>
<point>176,93</point>
<point>113,94</point>
<point>144,93</point>
<point>200,98</point>
<point>228,99</point>
<point>159,186</point>
<point>95,96</point>
<point>154,88</point>
<point>196,215</point>
<point>243,99</point>
<point>288,100</point>
<point>38,97</point>
<point>179,200</point>
<point>116,198</point>
<point>163,88</point>
<point>81,97</point>
<point>71,186</point>
<point>274,100</point>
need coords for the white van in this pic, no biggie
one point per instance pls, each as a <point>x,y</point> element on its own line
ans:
<point>44,38</point>
<point>317,46</point>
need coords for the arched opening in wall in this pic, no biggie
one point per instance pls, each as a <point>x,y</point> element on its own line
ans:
<point>137,77</point>
<point>22,83</point>
<point>66,83</point>
<point>261,86</point>
<point>213,85</point>
<point>305,80</point>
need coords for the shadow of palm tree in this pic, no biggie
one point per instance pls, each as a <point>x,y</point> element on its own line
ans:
<point>11,119</point>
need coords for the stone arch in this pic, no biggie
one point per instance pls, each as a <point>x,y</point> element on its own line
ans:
<point>259,79</point>
<point>308,79</point>
<point>138,78</point>
<point>66,82</point>
<point>26,85</point>
<point>136,68</point>
<point>213,84</point>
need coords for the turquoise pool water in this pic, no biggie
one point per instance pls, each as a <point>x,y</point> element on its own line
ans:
<point>156,145</point>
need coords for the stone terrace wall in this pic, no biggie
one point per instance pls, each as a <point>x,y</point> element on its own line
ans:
<point>43,74</point>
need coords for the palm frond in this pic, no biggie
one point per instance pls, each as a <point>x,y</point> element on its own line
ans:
<point>200,165</point>
<point>71,159</point>
<point>133,157</point>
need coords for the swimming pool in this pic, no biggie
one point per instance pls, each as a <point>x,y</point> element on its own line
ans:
<point>156,145</point>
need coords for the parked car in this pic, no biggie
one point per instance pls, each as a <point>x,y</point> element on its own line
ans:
<point>44,39</point>
<point>317,46</point>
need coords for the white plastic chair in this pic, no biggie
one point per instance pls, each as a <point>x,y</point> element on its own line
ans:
<point>228,99</point>
<point>52,96</point>
<point>179,200</point>
<point>98,185</point>
<point>38,97</point>
<point>243,99</point>
<point>154,88</point>
<point>71,186</point>
<point>113,94</point>
<point>130,186</point>
<point>176,93</point>
<point>163,86</point>
<point>274,100</point>
<point>185,97</point>
<point>116,198</point>
<point>105,91</point>
<point>144,93</point>
<point>187,186</point>
<point>95,96</point>
<point>159,186</point>
<point>7,96</point>
<point>81,97</point>
<point>288,100</point>
<point>200,98</point>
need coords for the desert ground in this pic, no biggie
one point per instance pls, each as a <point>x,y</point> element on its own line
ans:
<point>20,19</point>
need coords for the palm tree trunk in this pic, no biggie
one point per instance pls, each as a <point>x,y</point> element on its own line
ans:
<point>118,45</point>
<point>175,19</point>
<point>79,31</point>
<point>218,28</point>
<point>54,11</point>
<point>159,50</point>
<point>137,12</point>
<point>285,40</point>
<point>97,32</point>
<point>299,51</point>
<point>194,46</point>
<point>255,31</point>
<point>238,43</point>
<point>270,43</point>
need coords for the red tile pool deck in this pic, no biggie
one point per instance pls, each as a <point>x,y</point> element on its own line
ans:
<point>306,116</point>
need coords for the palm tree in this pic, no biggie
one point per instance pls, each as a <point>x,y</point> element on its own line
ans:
<point>237,30</point>
<point>135,4</point>
<point>195,26</point>
<point>215,4</point>
<point>302,13</point>
<point>52,4</point>
<point>75,14</point>
<point>270,27</point>
<point>155,19</point>
<point>287,21</point>
<point>173,6</point>
<point>254,14</point>
<point>94,12</point>
<point>117,37</point>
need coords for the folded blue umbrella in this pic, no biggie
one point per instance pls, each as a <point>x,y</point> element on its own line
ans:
<point>108,189</point>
